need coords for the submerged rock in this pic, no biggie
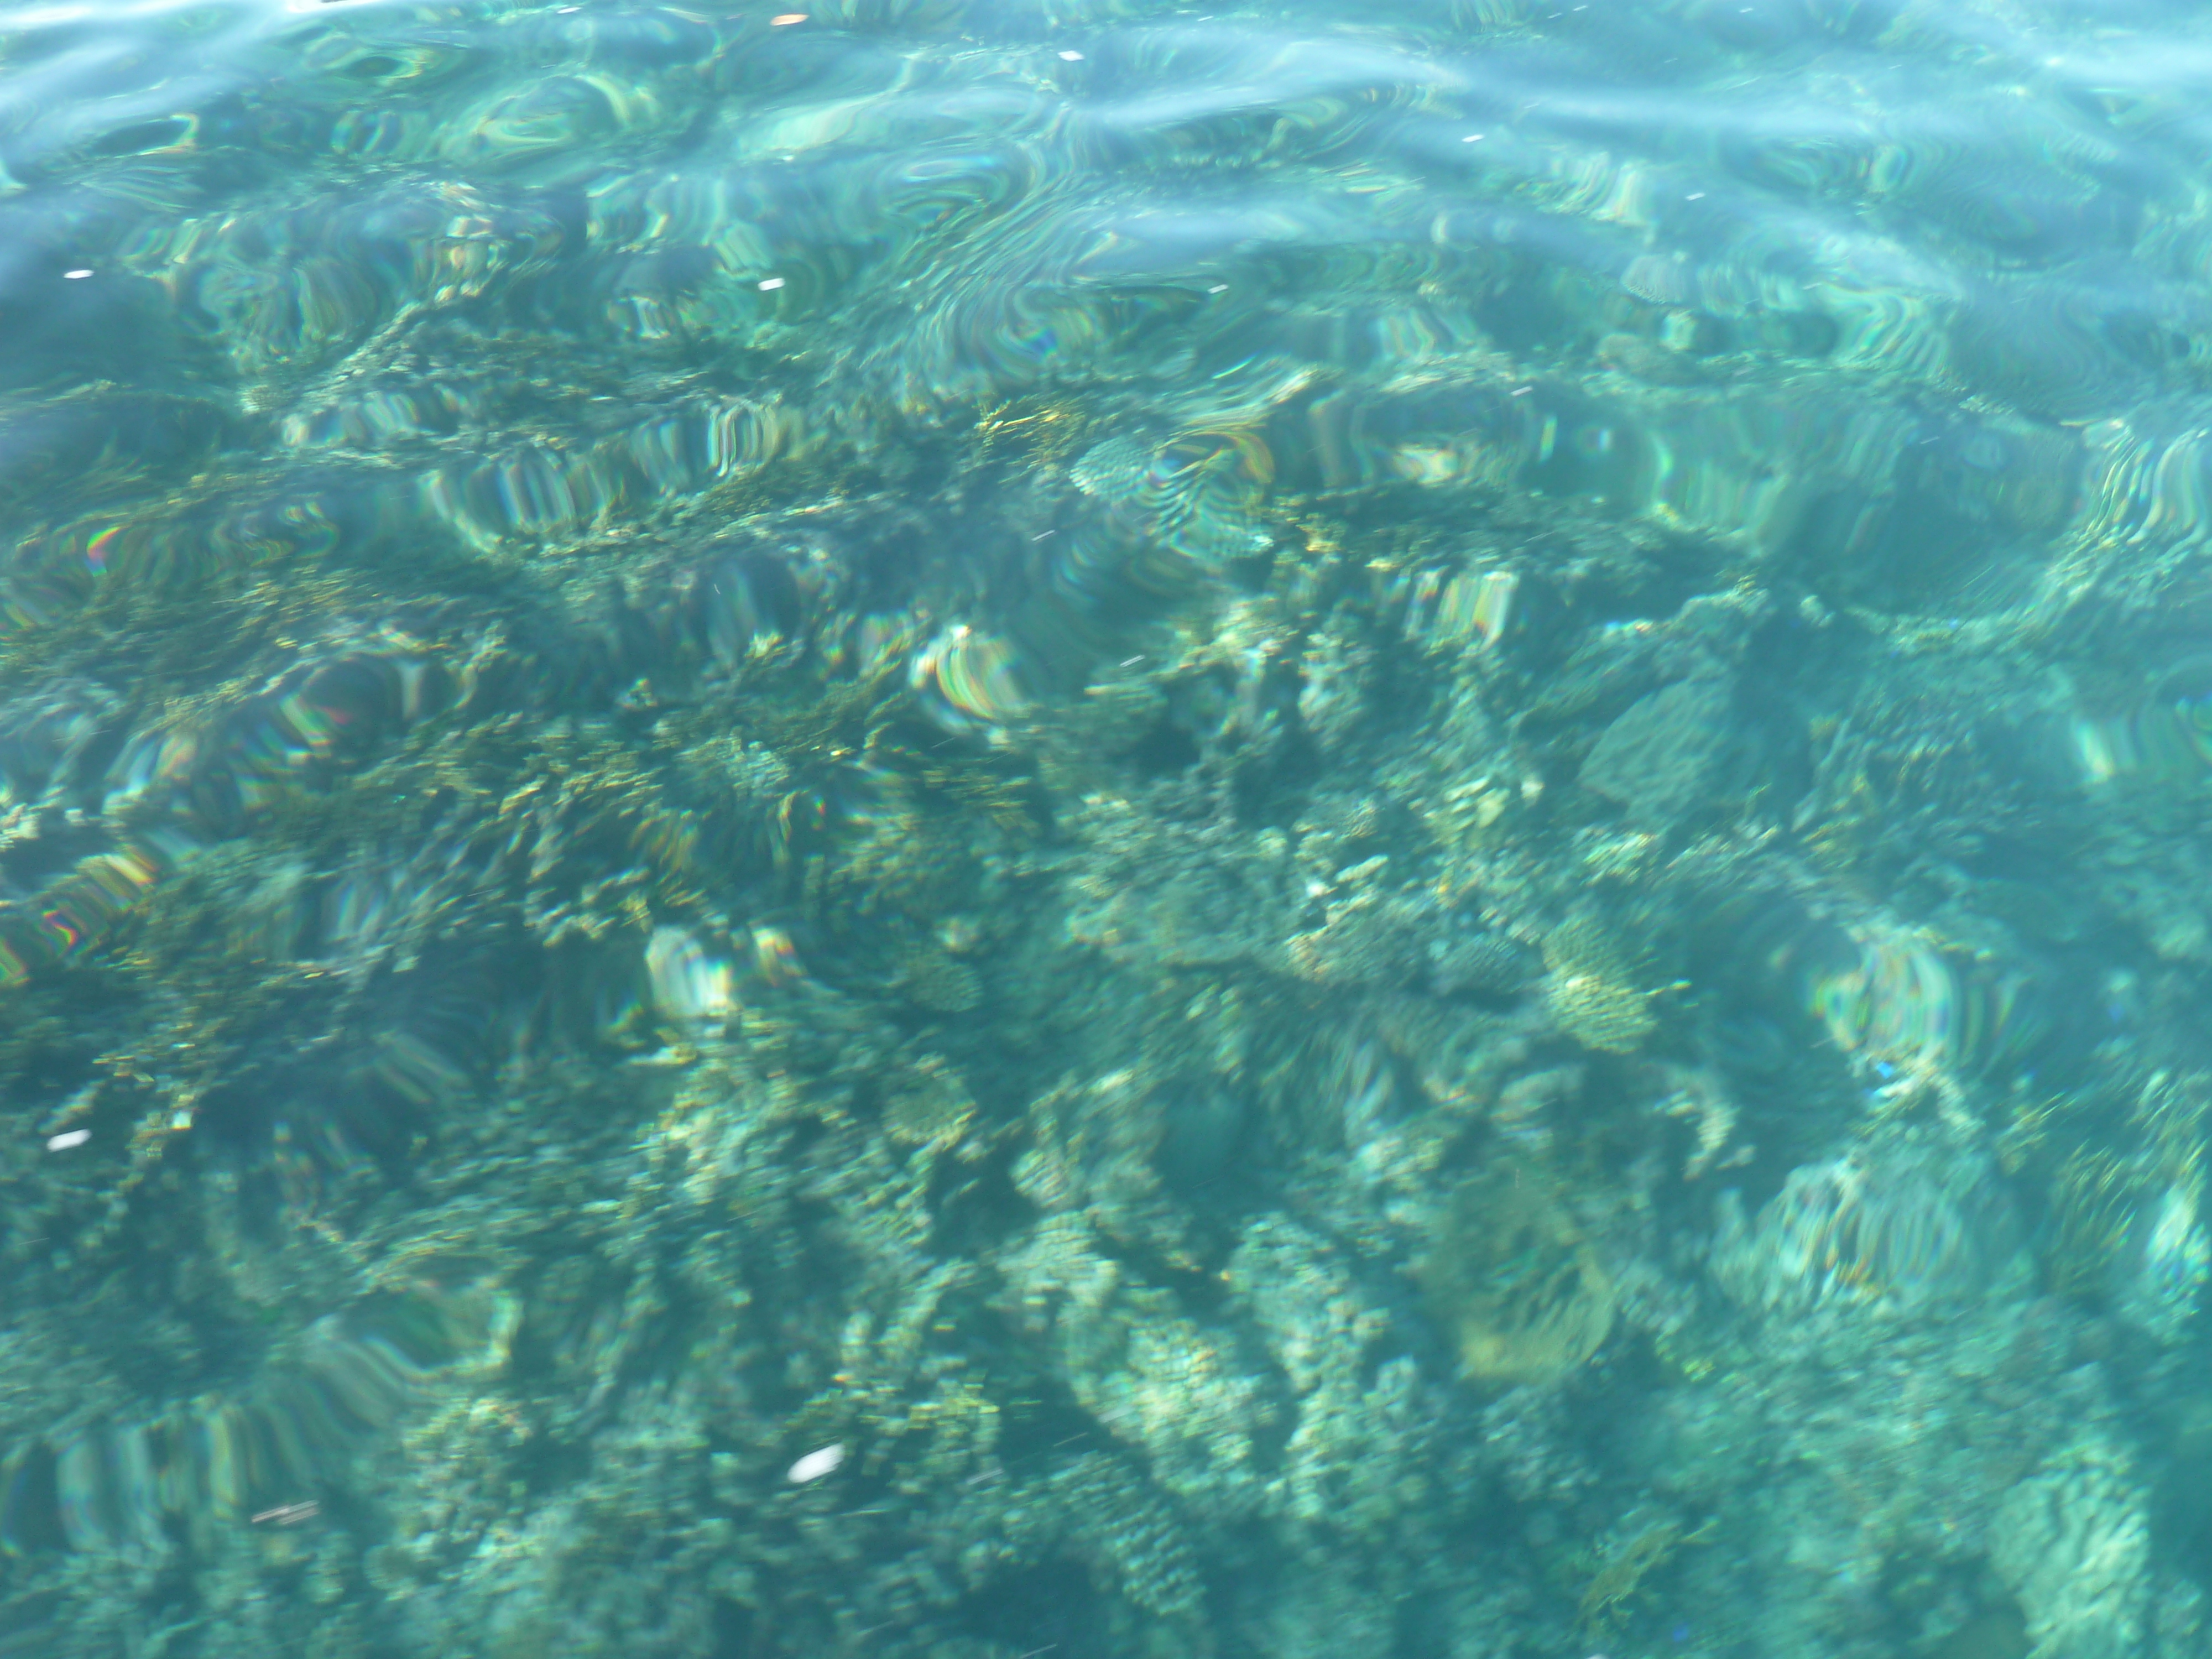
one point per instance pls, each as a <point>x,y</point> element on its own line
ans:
<point>1657,760</point>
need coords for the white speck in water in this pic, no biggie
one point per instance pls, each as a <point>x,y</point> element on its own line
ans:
<point>1471,138</point>
<point>1695,195</point>
<point>67,1139</point>
<point>1071,57</point>
<point>1219,288</point>
<point>74,275</point>
<point>816,1464</point>
<point>769,284</point>
<point>1523,391</point>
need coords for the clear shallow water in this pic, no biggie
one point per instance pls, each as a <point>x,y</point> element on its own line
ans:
<point>1100,830</point>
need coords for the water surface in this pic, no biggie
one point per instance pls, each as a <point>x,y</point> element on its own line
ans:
<point>1098,828</point>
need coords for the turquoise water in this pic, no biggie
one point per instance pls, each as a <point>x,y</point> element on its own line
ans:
<point>1098,829</point>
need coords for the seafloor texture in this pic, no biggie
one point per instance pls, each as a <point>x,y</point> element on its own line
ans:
<point>985,829</point>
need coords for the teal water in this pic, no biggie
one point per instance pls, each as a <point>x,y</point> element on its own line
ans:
<point>1090,827</point>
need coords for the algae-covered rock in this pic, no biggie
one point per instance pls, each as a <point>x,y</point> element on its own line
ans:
<point>1514,1280</point>
<point>1897,1226</point>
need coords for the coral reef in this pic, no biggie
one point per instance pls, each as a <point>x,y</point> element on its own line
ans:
<point>2072,1544</point>
<point>960,830</point>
